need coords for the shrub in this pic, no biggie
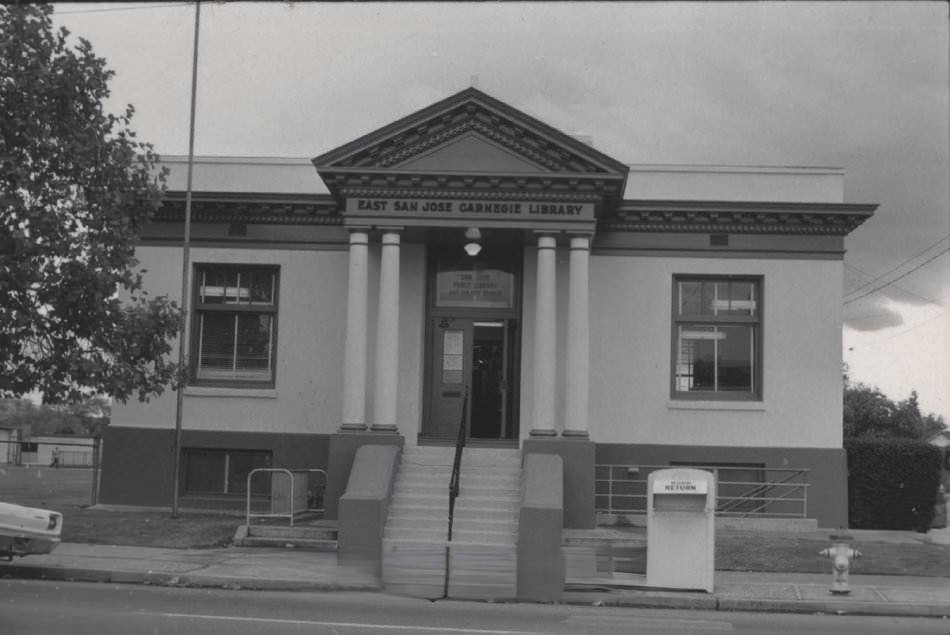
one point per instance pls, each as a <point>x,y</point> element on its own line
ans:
<point>892,483</point>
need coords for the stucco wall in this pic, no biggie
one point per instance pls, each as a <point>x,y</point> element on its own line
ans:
<point>631,300</point>
<point>310,327</point>
<point>310,334</point>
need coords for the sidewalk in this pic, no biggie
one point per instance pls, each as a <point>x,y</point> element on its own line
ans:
<point>288,569</point>
<point>232,567</point>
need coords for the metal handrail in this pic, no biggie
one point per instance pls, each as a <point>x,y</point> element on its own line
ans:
<point>292,514</point>
<point>782,487</point>
<point>758,493</point>
<point>455,486</point>
<point>455,481</point>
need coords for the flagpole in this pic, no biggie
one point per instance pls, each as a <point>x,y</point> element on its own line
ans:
<point>185,273</point>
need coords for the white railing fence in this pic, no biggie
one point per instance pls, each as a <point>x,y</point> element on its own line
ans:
<point>742,491</point>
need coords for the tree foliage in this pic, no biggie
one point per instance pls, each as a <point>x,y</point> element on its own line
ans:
<point>75,187</point>
<point>870,414</point>
<point>83,418</point>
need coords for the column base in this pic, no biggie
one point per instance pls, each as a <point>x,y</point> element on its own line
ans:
<point>544,433</point>
<point>579,460</point>
<point>353,427</point>
<point>384,428</point>
<point>343,446</point>
<point>576,434</point>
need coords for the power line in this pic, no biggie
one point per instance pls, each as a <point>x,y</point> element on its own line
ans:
<point>903,275</point>
<point>918,325</point>
<point>865,274</point>
<point>893,269</point>
<point>135,8</point>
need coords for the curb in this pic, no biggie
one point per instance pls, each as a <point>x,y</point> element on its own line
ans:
<point>714,603</point>
<point>65,574</point>
<point>641,600</point>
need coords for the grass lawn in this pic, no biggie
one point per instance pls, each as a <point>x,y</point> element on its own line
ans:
<point>149,529</point>
<point>67,491</point>
<point>775,552</point>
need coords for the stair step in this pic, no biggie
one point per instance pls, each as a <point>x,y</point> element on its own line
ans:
<point>304,544</point>
<point>291,533</point>
<point>419,511</point>
<point>500,527</point>
<point>501,503</point>
<point>474,456</point>
<point>440,476</point>
<point>486,514</point>
<point>420,534</point>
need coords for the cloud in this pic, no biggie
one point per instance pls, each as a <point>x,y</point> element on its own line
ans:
<point>872,318</point>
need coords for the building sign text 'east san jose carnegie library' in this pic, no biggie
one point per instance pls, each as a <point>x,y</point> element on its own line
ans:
<point>447,208</point>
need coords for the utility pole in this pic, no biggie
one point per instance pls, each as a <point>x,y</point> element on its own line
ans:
<point>185,272</point>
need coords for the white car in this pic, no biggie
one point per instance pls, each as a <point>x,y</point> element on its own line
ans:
<point>28,530</point>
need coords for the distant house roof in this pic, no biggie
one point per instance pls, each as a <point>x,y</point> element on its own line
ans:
<point>941,439</point>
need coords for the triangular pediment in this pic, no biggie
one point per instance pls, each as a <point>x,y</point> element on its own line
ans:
<point>465,133</point>
<point>470,152</point>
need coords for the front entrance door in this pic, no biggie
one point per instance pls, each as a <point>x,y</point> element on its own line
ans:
<point>475,356</point>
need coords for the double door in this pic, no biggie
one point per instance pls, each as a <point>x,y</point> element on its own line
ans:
<point>476,356</point>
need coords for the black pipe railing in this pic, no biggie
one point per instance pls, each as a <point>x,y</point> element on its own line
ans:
<point>455,484</point>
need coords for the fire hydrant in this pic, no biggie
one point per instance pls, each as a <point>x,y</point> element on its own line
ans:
<point>841,554</point>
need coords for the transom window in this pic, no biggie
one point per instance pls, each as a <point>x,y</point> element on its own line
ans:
<point>717,328</point>
<point>235,324</point>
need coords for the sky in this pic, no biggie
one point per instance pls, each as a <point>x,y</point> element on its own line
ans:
<point>859,86</point>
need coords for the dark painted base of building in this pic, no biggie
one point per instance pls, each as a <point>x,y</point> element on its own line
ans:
<point>138,463</point>
<point>137,466</point>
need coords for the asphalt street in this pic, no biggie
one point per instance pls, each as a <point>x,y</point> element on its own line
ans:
<point>37,607</point>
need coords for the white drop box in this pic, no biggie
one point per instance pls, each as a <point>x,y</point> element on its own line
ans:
<point>681,529</point>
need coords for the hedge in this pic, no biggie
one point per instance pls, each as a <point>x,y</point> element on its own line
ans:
<point>892,483</point>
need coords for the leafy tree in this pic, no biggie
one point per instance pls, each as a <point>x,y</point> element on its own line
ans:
<point>85,418</point>
<point>75,187</point>
<point>868,413</point>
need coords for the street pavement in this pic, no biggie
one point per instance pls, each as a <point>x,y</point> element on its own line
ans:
<point>295,569</point>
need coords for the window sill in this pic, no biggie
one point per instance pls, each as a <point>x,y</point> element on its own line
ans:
<point>745,406</point>
<point>246,393</point>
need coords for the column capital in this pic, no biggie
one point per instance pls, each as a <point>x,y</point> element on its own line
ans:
<point>581,242</point>
<point>546,240</point>
<point>359,235</point>
<point>390,229</point>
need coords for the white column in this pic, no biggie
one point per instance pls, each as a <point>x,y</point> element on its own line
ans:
<point>577,361</point>
<point>387,335</point>
<point>545,306</point>
<point>354,347</point>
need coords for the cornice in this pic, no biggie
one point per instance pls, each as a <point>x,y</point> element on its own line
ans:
<point>468,194</point>
<point>592,188</point>
<point>470,110</point>
<point>739,217</point>
<point>283,209</point>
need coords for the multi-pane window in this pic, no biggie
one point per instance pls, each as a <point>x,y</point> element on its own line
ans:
<point>235,325</point>
<point>717,325</point>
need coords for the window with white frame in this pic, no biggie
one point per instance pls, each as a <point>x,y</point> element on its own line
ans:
<point>234,336</point>
<point>717,334</point>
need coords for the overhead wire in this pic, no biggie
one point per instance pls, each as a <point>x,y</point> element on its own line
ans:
<point>865,274</point>
<point>898,266</point>
<point>903,275</point>
<point>131,8</point>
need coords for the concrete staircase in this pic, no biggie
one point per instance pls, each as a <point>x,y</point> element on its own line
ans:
<point>319,535</point>
<point>483,556</point>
